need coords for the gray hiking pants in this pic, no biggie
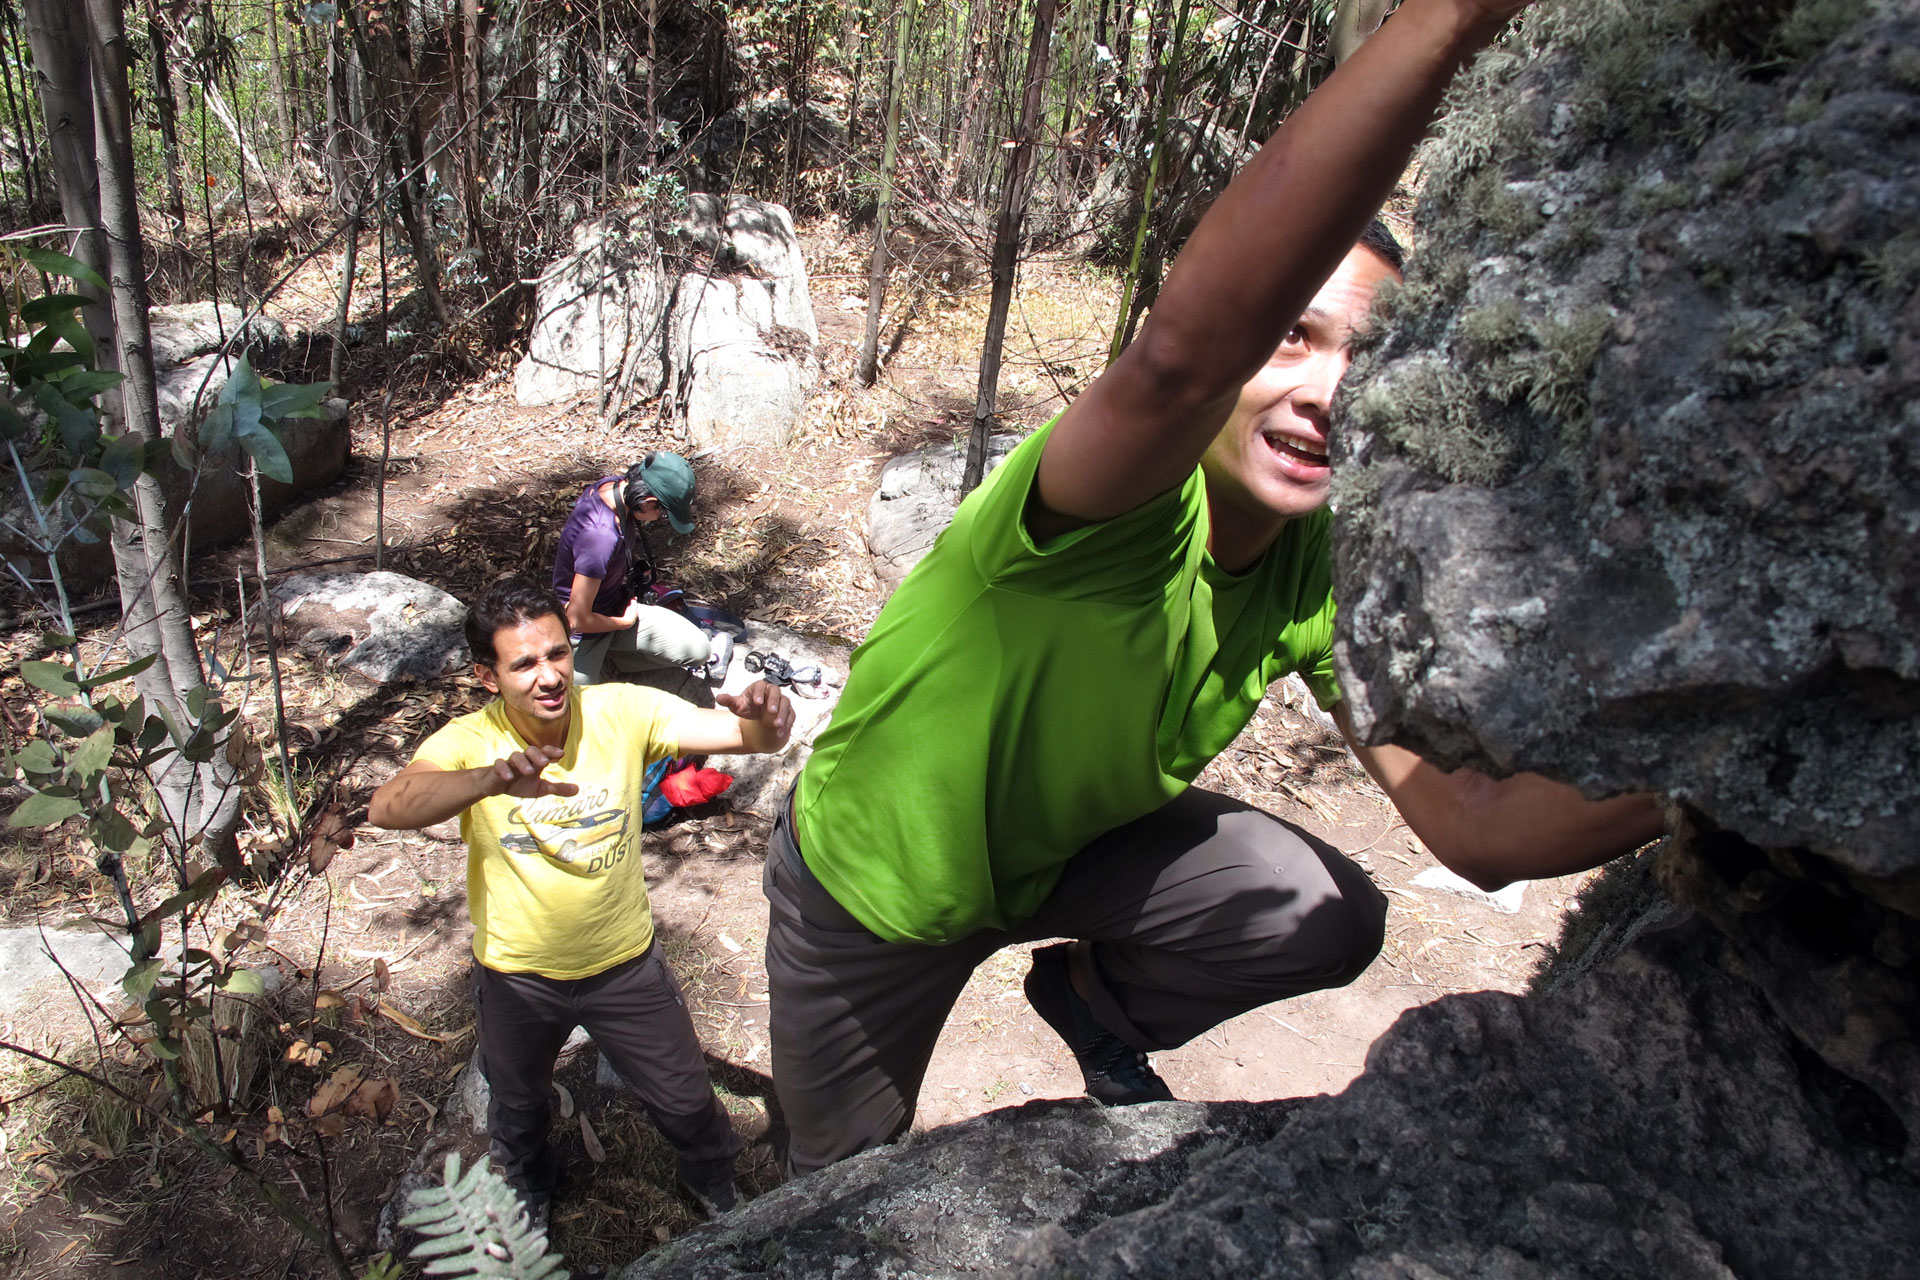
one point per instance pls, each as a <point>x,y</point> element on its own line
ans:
<point>662,638</point>
<point>636,1016</point>
<point>1197,912</point>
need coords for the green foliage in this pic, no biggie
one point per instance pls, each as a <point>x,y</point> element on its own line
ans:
<point>476,1226</point>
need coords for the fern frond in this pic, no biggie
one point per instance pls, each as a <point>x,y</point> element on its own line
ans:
<point>476,1226</point>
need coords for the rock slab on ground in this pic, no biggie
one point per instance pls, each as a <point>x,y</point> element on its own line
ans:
<point>29,973</point>
<point>384,626</point>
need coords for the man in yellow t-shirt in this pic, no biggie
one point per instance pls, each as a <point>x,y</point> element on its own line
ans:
<point>547,780</point>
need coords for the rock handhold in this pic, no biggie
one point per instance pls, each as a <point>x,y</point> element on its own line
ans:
<point>1628,480</point>
<point>384,626</point>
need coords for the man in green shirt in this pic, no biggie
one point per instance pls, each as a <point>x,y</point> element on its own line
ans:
<point>1012,756</point>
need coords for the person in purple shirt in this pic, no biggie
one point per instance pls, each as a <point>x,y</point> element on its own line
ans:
<point>611,629</point>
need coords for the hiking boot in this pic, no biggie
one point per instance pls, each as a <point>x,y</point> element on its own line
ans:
<point>1116,1073</point>
<point>716,1199</point>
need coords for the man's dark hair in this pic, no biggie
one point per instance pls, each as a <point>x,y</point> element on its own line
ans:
<point>508,603</point>
<point>1380,238</point>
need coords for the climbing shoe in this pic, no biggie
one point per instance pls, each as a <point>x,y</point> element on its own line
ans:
<point>1116,1073</point>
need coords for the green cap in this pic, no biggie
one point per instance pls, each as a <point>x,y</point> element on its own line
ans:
<point>669,477</point>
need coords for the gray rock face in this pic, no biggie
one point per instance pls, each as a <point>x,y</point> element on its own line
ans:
<point>915,501</point>
<point>959,1201</point>
<point>384,626</point>
<point>1628,483</point>
<point>189,372</point>
<point>603,306</point>
<point>29,973</point>
<point>1654,1119</point>
<point>190,329</point>
<point>715,311</point>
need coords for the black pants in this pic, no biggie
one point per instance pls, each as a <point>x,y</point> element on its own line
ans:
<point>636,1016</point>
<point>1198,912</point>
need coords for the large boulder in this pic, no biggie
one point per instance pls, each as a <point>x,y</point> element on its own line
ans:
<point>713,309</point>
<point>1628,485</point>
<point>598,312</point>
<point>384,626</point>
<point>194,347</point>
<point>1651,1119</point>
<point>918,494</point>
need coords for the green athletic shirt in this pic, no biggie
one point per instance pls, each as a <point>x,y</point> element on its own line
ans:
<point>1015,701</point>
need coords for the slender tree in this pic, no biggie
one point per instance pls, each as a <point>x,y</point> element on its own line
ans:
<point>869,362</point>
<point>1007,238</point>
<point>85,85</point>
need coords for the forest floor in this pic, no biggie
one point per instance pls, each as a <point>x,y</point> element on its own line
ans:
<point>375,949</point>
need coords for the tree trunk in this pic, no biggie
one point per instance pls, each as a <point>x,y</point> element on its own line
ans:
<point>282,103</point>
<point>1169,89</point>
<point>340,149</point>
<point>869,363</point>
<point>57,35</point>
<point>167,116</point>
<point>201,801</point>
<point>1006,240</point>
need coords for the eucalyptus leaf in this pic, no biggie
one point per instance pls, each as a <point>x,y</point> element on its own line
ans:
<point>110,829</point>
<point>75,719</point>
<point>46,307</point>
<point>133,668</point>
<point>92,756</point>
<point>241,982</point>
<point>59,264</point>
<point>37,758</point>
<point>68,326</point>
<point>216,430</point>
<point>93,482</point>
<point>54,677</point>
<point>293,400</point>
<point>85,384</point>
<point>43,809</point>
<point>242,392</point>
<point>124,459</point>
<point>138,982</point>
<point>268,454</point>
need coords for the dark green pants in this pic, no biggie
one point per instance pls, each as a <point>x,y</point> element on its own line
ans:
<point>1197,912</point>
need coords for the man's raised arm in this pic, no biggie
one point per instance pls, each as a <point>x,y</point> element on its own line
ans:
<point>1255,261</point>
<point>422,794</point>
<point>1495,831</point>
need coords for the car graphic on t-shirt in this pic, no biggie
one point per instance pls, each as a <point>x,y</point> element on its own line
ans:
<point>566,828</point>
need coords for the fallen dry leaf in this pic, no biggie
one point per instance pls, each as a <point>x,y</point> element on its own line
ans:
<point>591,1141</point>
<point>338,1088</point>
<point>374,1098</point>
<point>566,1100</point>
<point>408,1025</point>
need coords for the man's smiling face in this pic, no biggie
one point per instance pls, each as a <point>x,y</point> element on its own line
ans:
<point>1269,463</point>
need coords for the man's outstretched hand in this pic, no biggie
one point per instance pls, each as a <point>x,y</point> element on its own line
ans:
<point>519,774</point>
<point>765,714</point>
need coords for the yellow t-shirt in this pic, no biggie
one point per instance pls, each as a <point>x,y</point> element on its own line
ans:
<point>555,885</point>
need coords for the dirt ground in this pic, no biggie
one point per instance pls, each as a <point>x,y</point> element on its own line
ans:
<point>477,487</point>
